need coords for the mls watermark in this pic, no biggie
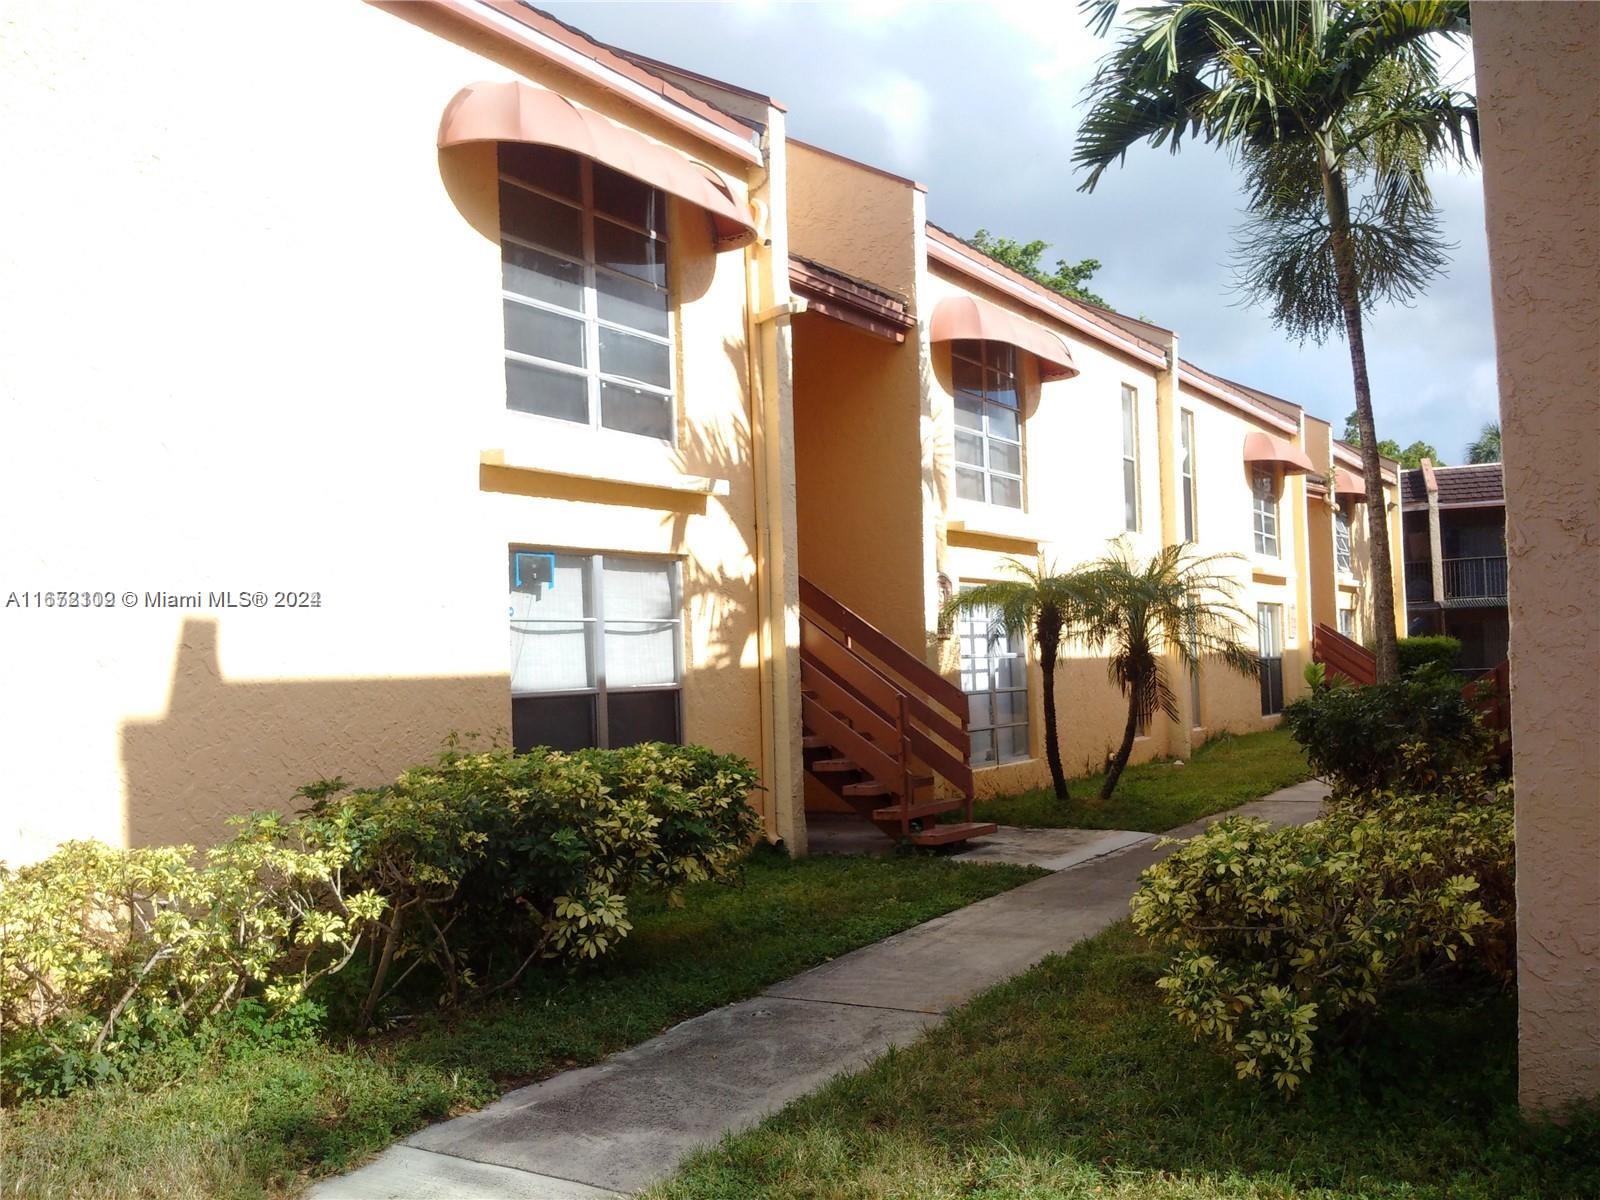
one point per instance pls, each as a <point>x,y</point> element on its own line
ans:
<point>205,601</point>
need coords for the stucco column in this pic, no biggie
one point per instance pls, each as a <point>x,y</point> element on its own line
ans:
<point>1539,93</point>
<point>1430,483</point>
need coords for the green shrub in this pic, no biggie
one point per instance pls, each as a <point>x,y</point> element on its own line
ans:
<point>1406,734</point>
<point>1429,653</point>
<point>474,868</point>
<point>493,861</point>
<point>112,952</point>
<point>1285,937</point>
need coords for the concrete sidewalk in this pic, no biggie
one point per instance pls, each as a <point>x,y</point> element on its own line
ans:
<point>626,1122</point>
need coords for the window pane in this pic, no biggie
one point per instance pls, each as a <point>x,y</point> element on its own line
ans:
<point>629,252</point>
<point>635,357</point>
<point>634,410</point>
<point>543,334</point>
<point>561,722</point>
<point>638,589</point>
<point>628,302</point>
<point>641,653</point>
<point>549,587</point>
<point>1011,673</point>
<point>541,276</point>
<point>969,449</point>
<point>969,413</point>
<point>634,717</point>
<point>1010,708</point>
<point>1000,388</point>
<point>982,747</point>
<point>1013,742</point>
<point>550,656</point>
<point>535,389</point>
<point>625,197</point>
<point>1005,491</point>
<point>969,484</point>
<point>549,168</point>
<point>537,218</point>
<point>1002,423</point>
<point>979,716</point>
<point>967,376</point>
<point>1003,456</point>
<point>1130,495</point>
<point>1128,442</point>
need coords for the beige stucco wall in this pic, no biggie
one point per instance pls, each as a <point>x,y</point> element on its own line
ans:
<point>252,340</point>
<point>1541,159</point>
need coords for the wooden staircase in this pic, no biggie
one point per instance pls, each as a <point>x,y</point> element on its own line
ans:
<point>1342,656</point>
<point>882,728</point>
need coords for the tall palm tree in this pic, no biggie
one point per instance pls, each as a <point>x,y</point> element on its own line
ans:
<point>1043,606</point>
<point>1487,447</point>
<point>1177,604</point>
<point>1311,97</point>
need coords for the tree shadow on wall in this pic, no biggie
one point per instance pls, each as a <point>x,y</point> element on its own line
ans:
<point>225,747</point>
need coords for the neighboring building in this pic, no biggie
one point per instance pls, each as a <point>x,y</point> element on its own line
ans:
<point>471,329</point>
<point>1455,556</point>
<point>1539,93</point>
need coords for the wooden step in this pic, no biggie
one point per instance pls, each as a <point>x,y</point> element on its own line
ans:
<point>812,742</point>
<point>943,835</point>
<point>831,766</point>
<point>868,790</point>
<point>927,808</point>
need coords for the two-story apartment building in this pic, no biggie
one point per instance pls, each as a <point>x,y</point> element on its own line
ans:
<point>1455,558</point>
<point>556,395</point>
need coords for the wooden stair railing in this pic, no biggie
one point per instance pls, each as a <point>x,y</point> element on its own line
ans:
<point>881,726</point>
<point>1342,656</point>
<point>1489,695</point>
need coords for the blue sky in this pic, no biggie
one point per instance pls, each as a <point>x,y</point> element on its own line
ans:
<point>981,103</point>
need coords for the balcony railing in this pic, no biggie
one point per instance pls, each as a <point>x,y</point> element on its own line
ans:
<point>1474,578</point>
<point>1419,582</point>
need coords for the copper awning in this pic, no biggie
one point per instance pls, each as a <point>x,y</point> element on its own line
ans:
<point>960,317</point>
<point>1264,448</point>
<point>516,112</point>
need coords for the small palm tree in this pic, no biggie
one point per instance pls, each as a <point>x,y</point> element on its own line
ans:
<point>1335,111</point>
<point>1487,448</point>
<point>1042,606</point>
<point>1176,604</point>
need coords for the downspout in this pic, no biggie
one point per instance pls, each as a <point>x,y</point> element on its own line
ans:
<point>1169,392</point>
<point>777,682</point>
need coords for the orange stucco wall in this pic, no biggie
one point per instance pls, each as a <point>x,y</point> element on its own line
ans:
<point>1539,93</point>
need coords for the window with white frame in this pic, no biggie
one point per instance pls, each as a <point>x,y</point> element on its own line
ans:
<point>988,422</point>
<point>1347,622</point>
<point>588,326</point>
<point>994,674</point>
<point>1190,499</point>
<point>1130,459</point>
<point>596,650</point>
<point>1341,540</point>
<point>1269,632</point>
<point>1264,503</point>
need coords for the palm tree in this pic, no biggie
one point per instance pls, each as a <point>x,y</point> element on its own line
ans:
<point>1311,97</point>
<point>1043,606</point>
<point>1179,605</point>
<point>1487,448</point>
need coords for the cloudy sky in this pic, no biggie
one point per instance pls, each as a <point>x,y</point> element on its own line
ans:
<point>981,102</point>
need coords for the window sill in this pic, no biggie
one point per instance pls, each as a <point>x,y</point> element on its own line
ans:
<point>1269,570</point>
<point>667,481</point>
<point>1011,525</point>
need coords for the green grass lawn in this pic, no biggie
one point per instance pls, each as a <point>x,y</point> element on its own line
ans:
<point>1157,796</point>
<point>256,1123</point>
<point>1073,1081</point>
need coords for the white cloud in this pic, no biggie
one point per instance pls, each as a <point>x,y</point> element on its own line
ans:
<point>904,108</point>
